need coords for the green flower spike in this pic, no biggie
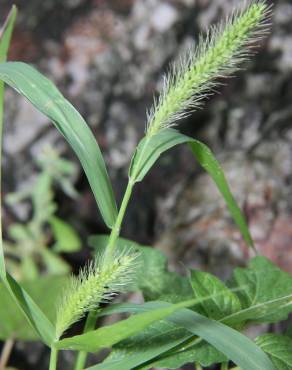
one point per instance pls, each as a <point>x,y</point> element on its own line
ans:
<point>97,282</point>
<point>198,71</point>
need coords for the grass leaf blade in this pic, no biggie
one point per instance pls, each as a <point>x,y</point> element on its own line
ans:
<point>37,319</point>
<point>228,341</point>
<point>5,37</point>
<point>43,94</point>
<point>109,335</point>
<point>150,149</point>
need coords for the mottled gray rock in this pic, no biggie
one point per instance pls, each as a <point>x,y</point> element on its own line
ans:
<point>195,226</point>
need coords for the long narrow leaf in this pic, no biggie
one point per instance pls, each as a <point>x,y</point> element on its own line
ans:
<point>233,344</point>
<point>109,335</point>
<point>32,312</point>
<point>150,149</point>
<point>44,95</point>
<point>132,360</point>
<point>5,37</point>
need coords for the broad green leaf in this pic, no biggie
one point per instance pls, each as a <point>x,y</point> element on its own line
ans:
<point>67,239</point>
<point>152,279</point>
<point>220,305</point>
<point>258,312</point>
<point>109,335</point>
<point>185,353</point>
<point>45,291</point>
<point>5,37</point>
<point>43,94</point>
<point>267,293</point>
<point>226,340</point>
<point>279,348</point>
<point>150,149</point>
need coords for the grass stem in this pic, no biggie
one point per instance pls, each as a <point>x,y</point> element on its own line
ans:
<point>53,359</point>
<point>5,354</point>
<point>117,227</point>
<point>89,325</point>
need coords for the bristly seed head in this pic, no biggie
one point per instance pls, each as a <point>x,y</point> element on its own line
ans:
<point>219,55</point>
<point>97,282</point>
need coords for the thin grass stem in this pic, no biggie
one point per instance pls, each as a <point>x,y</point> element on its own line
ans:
<point>53,359</point>
<point>6,352</point>
<point>117,227</point>
<point>89,326</point>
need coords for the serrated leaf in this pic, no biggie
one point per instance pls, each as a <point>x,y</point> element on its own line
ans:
<point>223,302</point>
<point>265,292</point>
<point>43,94</point>
<point>279,348</point>
<point>150,149</point>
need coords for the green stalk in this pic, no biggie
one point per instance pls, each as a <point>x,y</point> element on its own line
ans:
<point>117,226</point>
<point>53,359</point>
<point>198,366</point>
<point>115,233</point>
<point>89,325</point>
<point>224,366</point>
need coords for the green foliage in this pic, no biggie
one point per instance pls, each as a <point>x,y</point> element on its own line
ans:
<point>5,37</point>
<point>33,313</point>
<point>267,296</point>
<point>112,334</point>
<point>279,348</point>
<point>193,318</point>
<point>43,94</point>
<point>221,304</point>
<point>204,285</point>
<point>230,342</point>
<point>67,240</point>
<point>27,253</point>
<point>44,291</point>
<point>152,278</point>
<point>150,148</point>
